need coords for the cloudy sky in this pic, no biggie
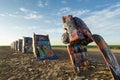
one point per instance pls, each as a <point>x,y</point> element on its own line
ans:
<point>20,18</point>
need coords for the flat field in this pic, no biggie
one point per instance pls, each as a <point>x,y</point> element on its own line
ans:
<point>19,66</point>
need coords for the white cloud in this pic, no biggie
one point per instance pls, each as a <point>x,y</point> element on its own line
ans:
<point>48,31</point>
<point>9,15</point>
<point>42,3</point>
<point>23,10</point>
<point>63,11</point>
<point>32,27</point>
<point>33,16</point>
<point>80,12</point>
<point>25,27</point>
<point>106,21</point>
<point>12,15</point>
<point>2,15</point>
<point>29,14</point>
<point>68,10</point>
<point>26,13</point>
<point>47,21</point>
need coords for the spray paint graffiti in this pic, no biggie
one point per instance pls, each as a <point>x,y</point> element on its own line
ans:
<point>42,48</point>
<point>27,45</point>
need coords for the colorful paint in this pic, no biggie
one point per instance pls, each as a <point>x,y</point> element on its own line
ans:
<point>42,47</point>
<point>27,45</point>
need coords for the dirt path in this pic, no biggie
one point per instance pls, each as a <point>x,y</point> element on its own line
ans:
<point>18,66</point>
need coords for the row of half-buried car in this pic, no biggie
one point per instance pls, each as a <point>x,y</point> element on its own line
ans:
<point>39,45</point>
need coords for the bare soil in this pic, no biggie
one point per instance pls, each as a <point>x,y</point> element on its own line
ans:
<point>19,66</point>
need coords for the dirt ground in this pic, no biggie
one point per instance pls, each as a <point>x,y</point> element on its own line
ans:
<point>18,66</point>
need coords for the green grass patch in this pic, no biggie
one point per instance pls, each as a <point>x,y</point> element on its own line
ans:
<point>111,46</point>
<point>65,46</point>
<point>59,46</point>
<point>89,46</point>
<point>3,47</point>
<point>114,46</point>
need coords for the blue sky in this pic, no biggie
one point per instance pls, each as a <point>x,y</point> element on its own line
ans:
<point>20,18</point>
